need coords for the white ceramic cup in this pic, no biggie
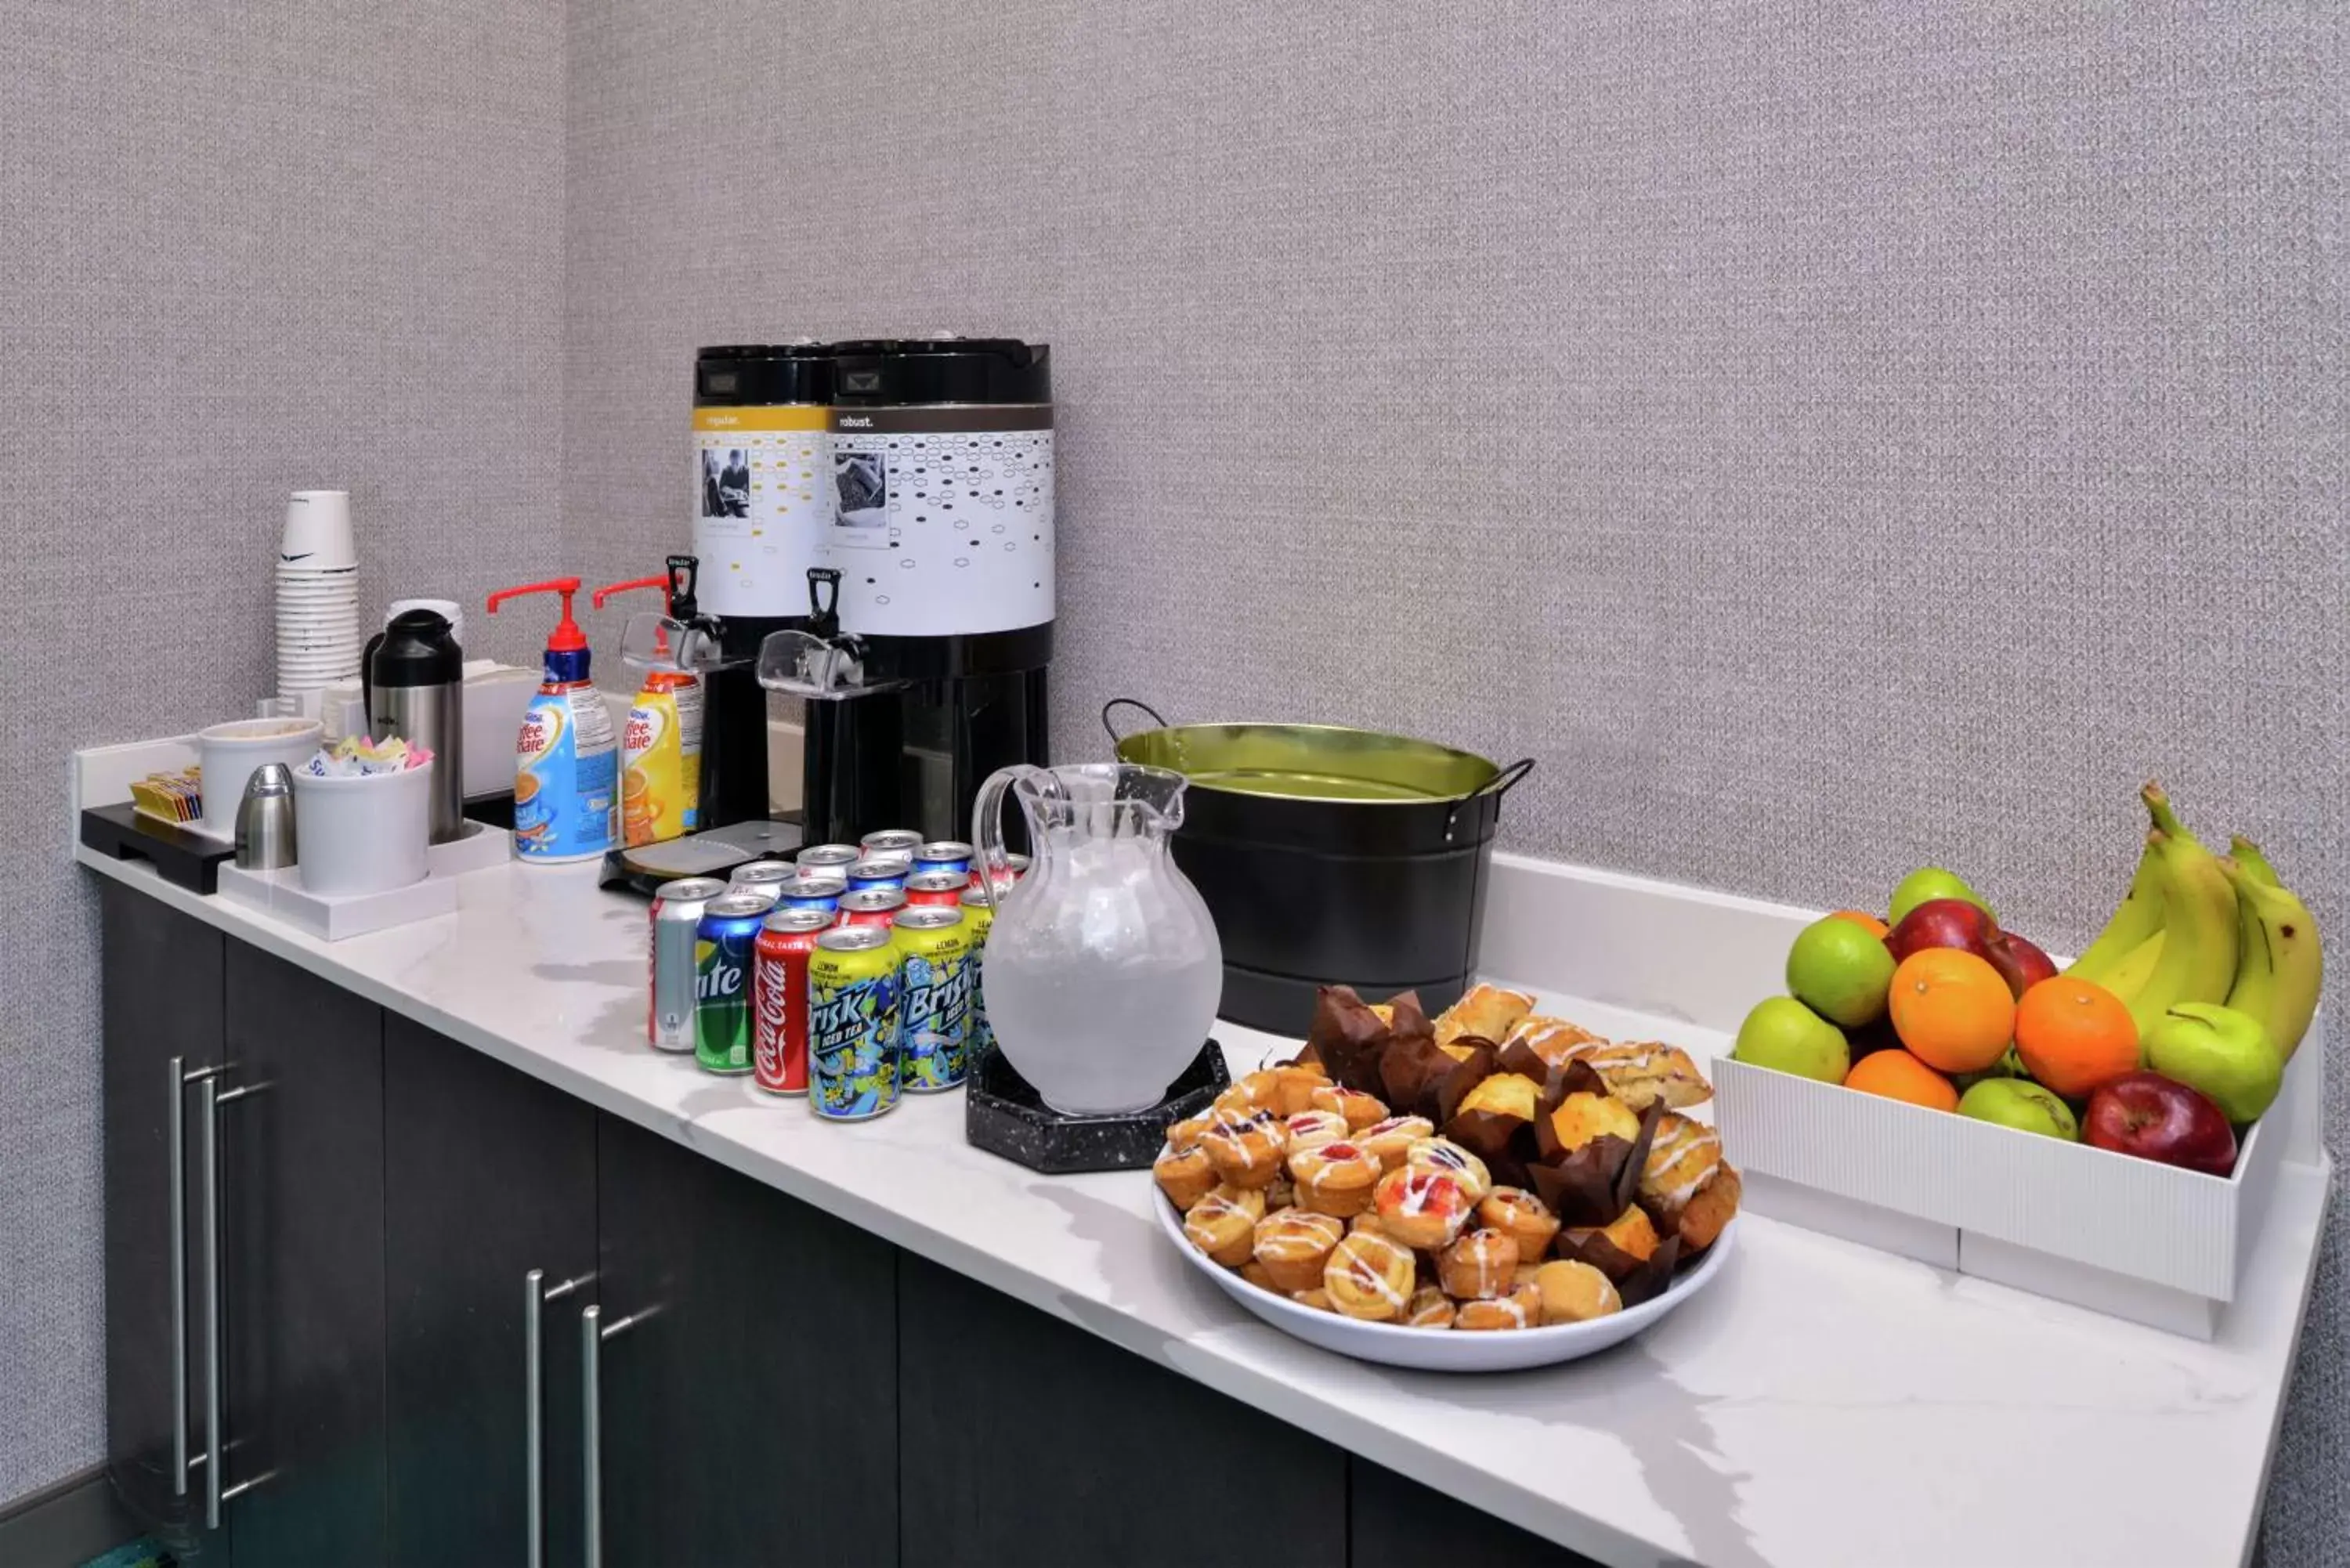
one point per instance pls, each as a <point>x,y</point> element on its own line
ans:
<point>230,753</point>
<point>362,835</point>
<point>318,532</point>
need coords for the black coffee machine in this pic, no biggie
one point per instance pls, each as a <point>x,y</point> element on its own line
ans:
<point>937,575</point>
<point>893,499</point>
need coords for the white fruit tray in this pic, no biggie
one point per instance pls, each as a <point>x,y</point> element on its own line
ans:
<point>2118,1235</point>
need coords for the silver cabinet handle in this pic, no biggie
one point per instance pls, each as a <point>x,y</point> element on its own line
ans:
<point>175,1139</point>
<point>215,1328</point>
<point>593,1333</point>
<point>537,1293</point>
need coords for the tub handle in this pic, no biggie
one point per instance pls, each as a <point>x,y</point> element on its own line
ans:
<point>1118,703</point>
<point>1500,784</point>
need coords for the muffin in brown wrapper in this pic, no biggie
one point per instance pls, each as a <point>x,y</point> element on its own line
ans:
<point>1466,1072</point>
<point>1346,1038</point>
<point>1580,1186</point>
<point>1410,1070</point>
<point>1636,1280</point>
<point>1492,1137</point>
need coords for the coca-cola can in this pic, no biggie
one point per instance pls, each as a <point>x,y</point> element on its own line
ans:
<point>936,889</point>
<point>871,906</point>
<point>779,999</point>
<point>668,1007</point>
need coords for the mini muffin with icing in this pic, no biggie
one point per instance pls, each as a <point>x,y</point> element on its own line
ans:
<point>1360,1109</point>
<point>1479,1263</point>
<point>1246,1150</point>
<point>1291,1247</point>
<point>1428,1308</point>
<point>1390,1138</point>
<point>1524,1218</point>
<point>1522,1308</point>
<point>1223,1224</point>
<point>1184,1172</point>
<point>1370,1277</point>
<point>1442,1154</point>
<point>1335,1178</point>
<point>1421,1208</point>
<point>1687,1184</point>
<point>1311,1129</point>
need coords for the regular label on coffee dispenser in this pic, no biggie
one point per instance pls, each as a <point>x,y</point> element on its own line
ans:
<point>762,501</point>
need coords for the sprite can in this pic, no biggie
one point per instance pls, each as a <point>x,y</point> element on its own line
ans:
<point>933,1000</point>
<point>978,920</point>
<point>722,947</point>
<point>853,1024</point>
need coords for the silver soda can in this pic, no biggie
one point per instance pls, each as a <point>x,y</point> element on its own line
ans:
<point>762,873</point>
<point>677,911</point>
<point>832,857</point>
<point>892,841</point>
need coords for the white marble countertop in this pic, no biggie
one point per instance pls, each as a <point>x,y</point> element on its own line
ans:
<point>1823,1404</point>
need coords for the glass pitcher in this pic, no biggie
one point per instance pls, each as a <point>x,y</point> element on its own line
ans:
<point>1103,970</point>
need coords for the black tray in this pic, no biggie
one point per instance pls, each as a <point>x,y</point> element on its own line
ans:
<point>186,859</point>
<point>1004,1117</point>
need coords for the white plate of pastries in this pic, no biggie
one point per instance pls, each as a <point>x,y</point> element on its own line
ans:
<point>1368,1234</point>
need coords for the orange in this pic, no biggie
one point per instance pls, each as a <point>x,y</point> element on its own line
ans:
<point>1866,922</point>
<point>1951,1009</point>
<point>1899,1076</point>
<point>2075,1036</point>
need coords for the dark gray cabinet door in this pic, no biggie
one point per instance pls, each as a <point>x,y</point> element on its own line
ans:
<point>488,1175</point>
<point>1398,1524</point>
<point>749,1409</point>
<point>302,1156</point>
<point>160,998</point>
<point>1024,1439</point>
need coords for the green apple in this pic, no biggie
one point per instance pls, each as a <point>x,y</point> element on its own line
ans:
<point>1926,884</point>
<point>2226,1053</point>
<point>1786,1036</point>
<point>1841,971</point>
<point>2021,1104</point>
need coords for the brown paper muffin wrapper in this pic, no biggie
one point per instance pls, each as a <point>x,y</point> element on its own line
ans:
<point>1636,1280</point>
<point>1346,1038</point>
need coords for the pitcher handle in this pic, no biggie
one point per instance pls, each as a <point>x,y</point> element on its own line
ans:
<point>987,821</point>
<point>1116,702</point>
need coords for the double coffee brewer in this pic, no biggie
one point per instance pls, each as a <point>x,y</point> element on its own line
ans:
<point>872,536</point>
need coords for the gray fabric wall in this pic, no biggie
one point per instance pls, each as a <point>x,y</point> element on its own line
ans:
<point>244,249</point>
<point>1831,438</point>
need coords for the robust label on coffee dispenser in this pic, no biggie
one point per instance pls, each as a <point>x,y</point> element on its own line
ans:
<point>763,501</point>
<point>943,519</point>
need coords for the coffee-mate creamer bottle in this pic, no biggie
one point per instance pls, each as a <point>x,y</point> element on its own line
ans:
<point>567,762</point>
<point>661,743</point>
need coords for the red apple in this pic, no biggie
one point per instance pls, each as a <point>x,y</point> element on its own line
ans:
<point>1945,924</point>
<point>2160,1118</point>
<point>2020,963</point>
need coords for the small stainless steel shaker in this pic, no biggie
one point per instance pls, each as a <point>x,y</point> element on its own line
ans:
<point>264,820</point>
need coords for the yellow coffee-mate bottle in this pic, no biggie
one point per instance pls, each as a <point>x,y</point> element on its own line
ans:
<point>660,759</point>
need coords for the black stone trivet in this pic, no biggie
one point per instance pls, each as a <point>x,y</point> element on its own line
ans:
<point>186,858</point>
<point>1004,1117</point>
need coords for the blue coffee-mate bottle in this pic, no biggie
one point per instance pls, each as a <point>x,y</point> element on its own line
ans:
<point>567,758</point>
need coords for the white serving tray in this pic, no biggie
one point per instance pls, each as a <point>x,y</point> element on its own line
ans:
<point>332,919</point>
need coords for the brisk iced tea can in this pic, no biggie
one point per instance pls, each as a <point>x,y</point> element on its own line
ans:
<point>978,921</point>
<point>944,855</point>
<point>832,858</point>
<point>899,841</point>
<point>762,873</point>
<point>878,871</point>
<point>779,998</point>
<point>853,1024</point>
<point>676,911</point>
<point>722,957</point>
<point>811,890</point>
<point>936,889</point>
<point>871,906</point>
<point>933,1000</point>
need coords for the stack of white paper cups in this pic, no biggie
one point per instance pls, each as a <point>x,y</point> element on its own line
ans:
<point>317,593</point>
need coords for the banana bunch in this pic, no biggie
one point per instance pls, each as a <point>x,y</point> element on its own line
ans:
<point>2200,927</point>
